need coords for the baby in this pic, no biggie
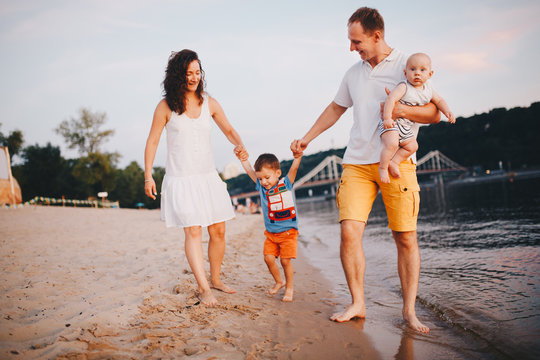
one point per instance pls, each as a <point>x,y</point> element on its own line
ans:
<point>398,138</point>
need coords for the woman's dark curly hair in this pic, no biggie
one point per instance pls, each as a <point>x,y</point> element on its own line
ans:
<point>175,83</point>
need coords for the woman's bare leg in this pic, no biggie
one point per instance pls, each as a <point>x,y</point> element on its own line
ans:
<point>216,252</point>
<point>194,254</point>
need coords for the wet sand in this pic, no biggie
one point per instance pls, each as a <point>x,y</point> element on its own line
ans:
<point>81,283</point>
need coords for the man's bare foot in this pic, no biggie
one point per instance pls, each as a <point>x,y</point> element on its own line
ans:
<point>223,287</point>
<point>207,298</point>
<point>383,174</point>
<point>351,312</point>
<point>415,324</point>
<point>276,288</point>
<point>288,295</point>
<point>393,169</point>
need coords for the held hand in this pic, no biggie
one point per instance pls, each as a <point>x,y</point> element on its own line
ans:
<point>388,124</point>
<point>241,153</point>
<point>150,188</point>
<point>298,146</point>
<point>297,154</point>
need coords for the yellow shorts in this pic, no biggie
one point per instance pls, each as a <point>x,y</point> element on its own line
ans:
<point>360,184</point>
<point>282,244</point>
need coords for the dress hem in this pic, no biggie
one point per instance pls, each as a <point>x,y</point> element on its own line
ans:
<point>185,226</point>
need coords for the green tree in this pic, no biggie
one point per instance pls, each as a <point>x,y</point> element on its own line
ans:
<point>84,133</point>
<point>13,141</point>
<point>129,186</point>
<point>44,173</point>
<point>97,172</point>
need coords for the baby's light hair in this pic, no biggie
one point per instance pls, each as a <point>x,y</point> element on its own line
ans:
<point>419,55</point>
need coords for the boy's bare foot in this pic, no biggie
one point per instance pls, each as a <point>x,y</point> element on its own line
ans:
<point>415,324</point>
<point>276,288</point>
<point>288,295</point>
<point>207,298</point>
<point>351,312</point>
<point>383,174</point>
<point>393,169</point>
<point>223,287</point>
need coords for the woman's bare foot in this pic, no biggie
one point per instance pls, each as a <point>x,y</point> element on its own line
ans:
<point>222,287</point>
<point>288,295</point>
<point>276,288</point>
<point>393,169</point>
<point>207,298</point>
<point>383,174</point>
<point>415,324</point>
<point>351,312</point>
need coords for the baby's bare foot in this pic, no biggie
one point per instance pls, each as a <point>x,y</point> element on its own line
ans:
<point>276,288</point>
<point>393,169</point>
<point>288,295</point>
<point>351,312</point>
<point>383,174</point>
<point>207,298</point>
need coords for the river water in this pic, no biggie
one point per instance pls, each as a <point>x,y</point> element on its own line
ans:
<point>480,248</point>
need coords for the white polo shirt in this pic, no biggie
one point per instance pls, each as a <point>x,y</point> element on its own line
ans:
<point>363,89</point>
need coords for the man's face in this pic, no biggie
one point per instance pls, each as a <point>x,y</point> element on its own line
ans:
<point>363,43</point>
<point>268,177</point>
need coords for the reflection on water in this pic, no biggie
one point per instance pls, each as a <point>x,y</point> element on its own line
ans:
<point>480,259</point>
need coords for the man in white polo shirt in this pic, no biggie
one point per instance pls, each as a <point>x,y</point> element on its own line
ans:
<point>363,88</point>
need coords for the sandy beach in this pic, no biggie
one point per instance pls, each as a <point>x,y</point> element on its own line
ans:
<point>82,283</point>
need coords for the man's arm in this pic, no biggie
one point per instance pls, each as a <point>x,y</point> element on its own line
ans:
<point>329,117</point>
<point>426,114</point>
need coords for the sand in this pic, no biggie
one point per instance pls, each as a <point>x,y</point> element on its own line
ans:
<point>82,283</point>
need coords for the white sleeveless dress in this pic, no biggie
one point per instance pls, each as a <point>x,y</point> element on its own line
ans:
<point>192,193</point>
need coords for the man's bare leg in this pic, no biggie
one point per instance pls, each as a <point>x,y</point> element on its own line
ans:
<point>270,261</point>
<point>390,142</point>
<point>216,251</point>
<point>409,274</point>
<point>354,266</point>
<point>406,149</point>
<point>194,254</point>
<point>289,273</point>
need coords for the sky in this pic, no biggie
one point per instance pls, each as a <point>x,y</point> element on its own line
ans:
<point>272,65</point>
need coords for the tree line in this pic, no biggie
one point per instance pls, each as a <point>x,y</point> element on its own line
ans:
<point>483,140</point>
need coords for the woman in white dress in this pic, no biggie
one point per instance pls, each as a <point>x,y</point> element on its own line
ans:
<point>192,193</point>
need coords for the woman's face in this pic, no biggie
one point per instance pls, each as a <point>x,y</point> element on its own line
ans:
<point>193,76</point>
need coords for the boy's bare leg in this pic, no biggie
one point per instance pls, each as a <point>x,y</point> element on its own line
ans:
<point>406,149</point>
<point>194,254</point>
<point>216,251</point>
<point>289,273</point>
<point>390,142</point>
<point>270,261</point>
<point>354,266</point>
<point>409,274</point>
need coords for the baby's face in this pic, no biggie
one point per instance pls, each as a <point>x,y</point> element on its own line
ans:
<point>418,70</point>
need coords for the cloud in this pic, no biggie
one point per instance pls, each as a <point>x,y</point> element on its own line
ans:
<point>467,62</point>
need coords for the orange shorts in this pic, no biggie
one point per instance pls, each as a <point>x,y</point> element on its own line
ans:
<point>282,244</point>
<point>360,184</point>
